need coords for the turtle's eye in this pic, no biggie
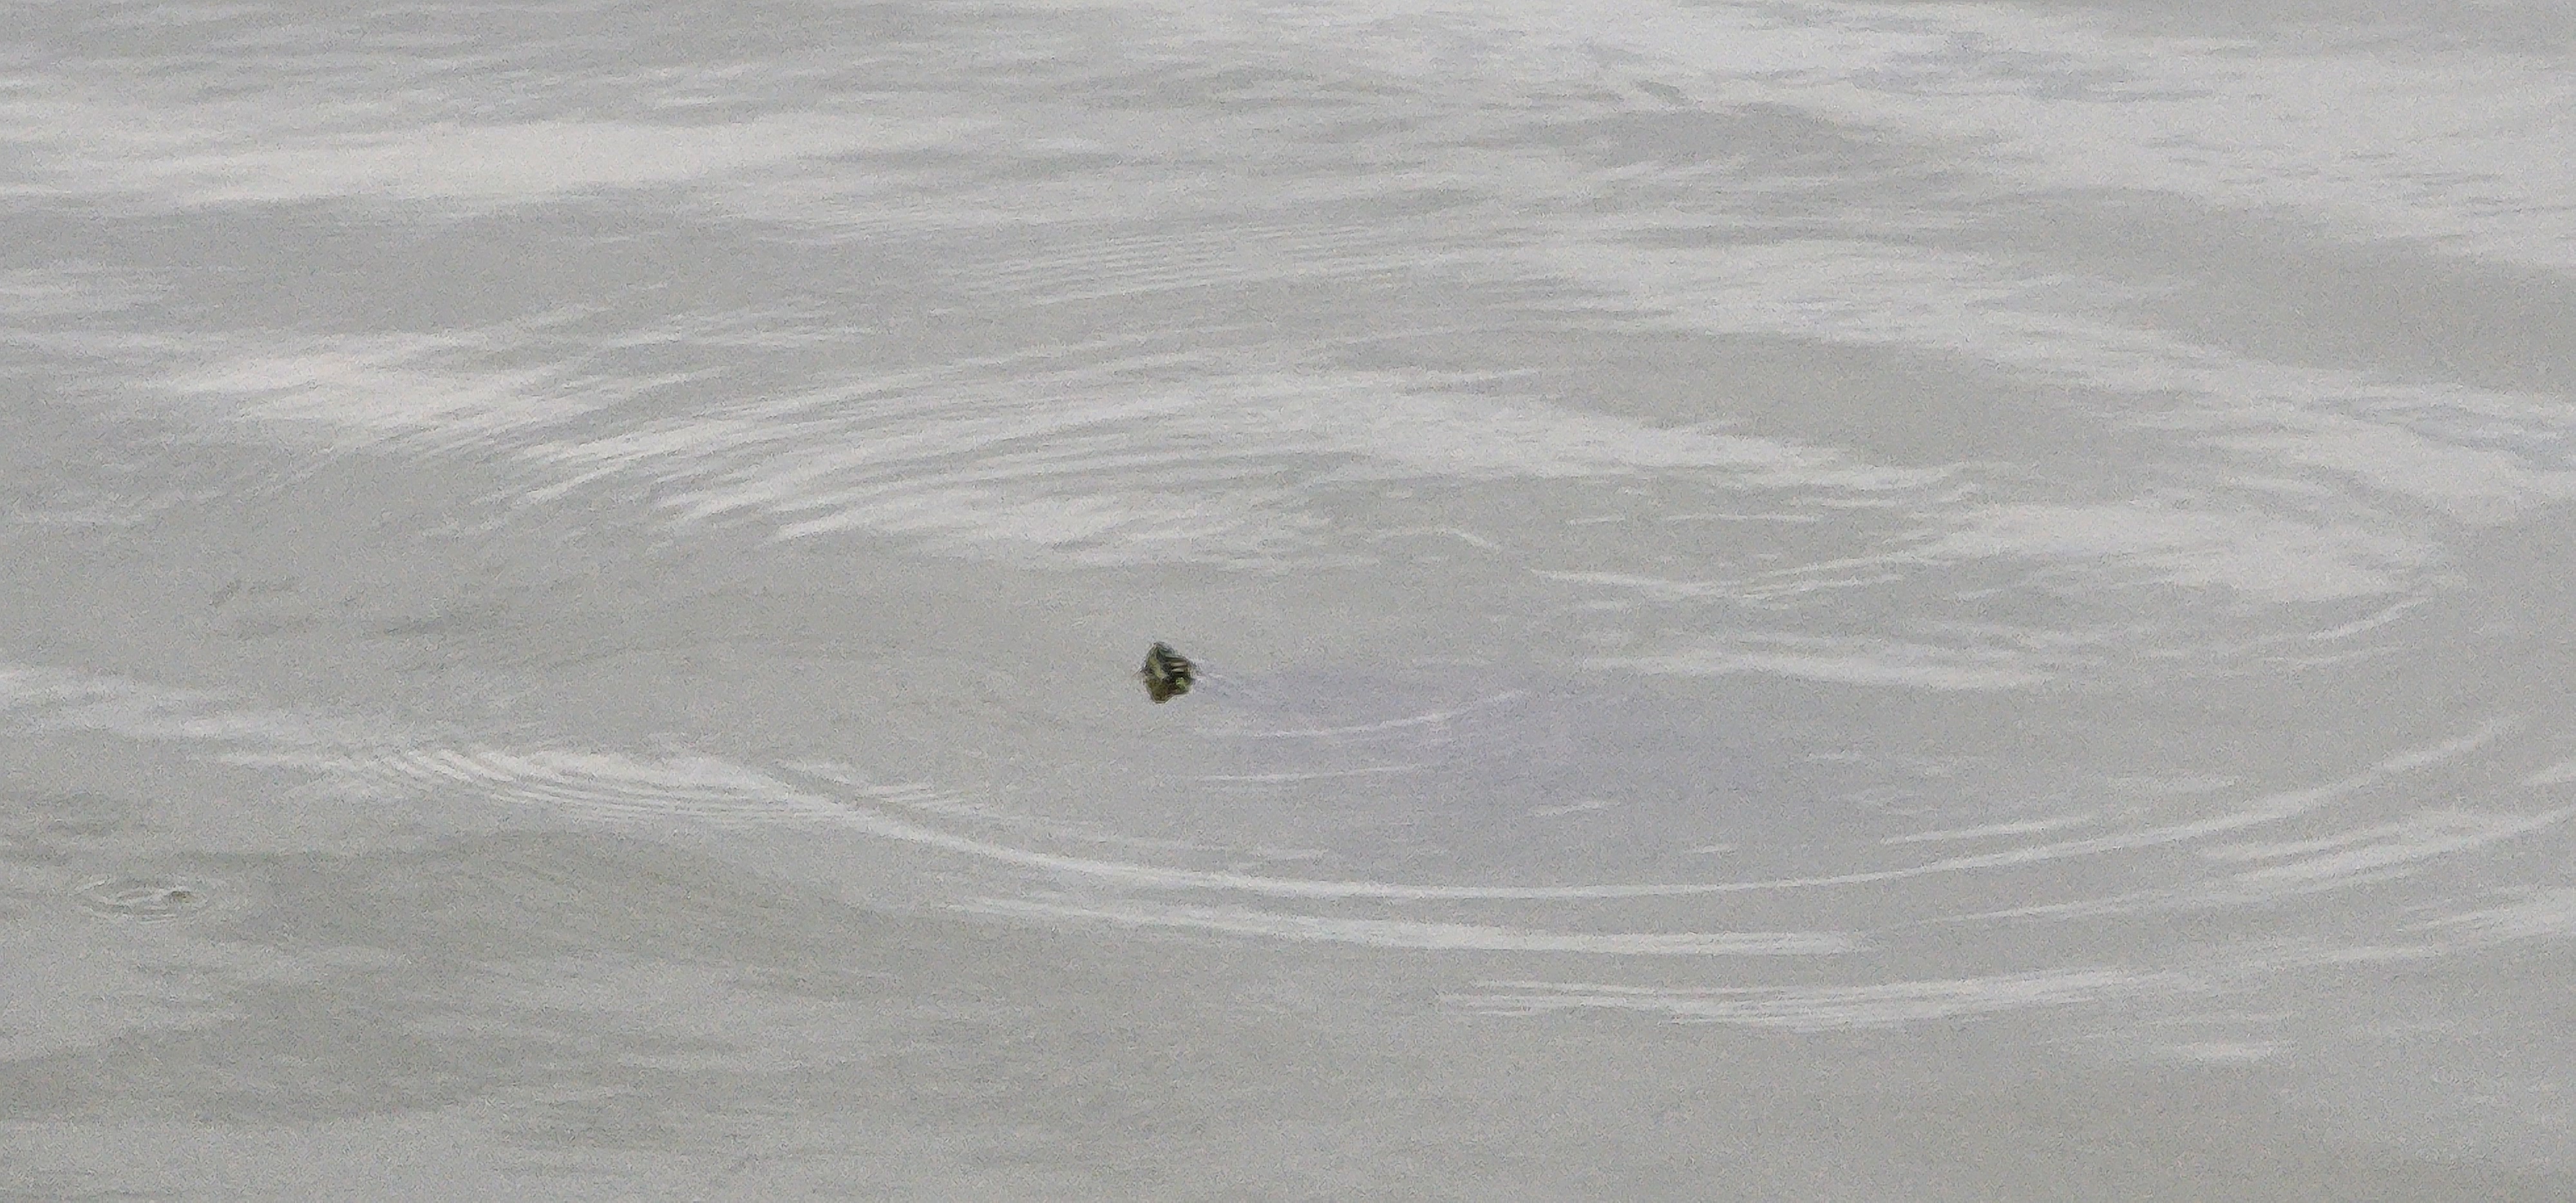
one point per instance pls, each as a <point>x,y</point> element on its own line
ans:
<point>1166,673</point>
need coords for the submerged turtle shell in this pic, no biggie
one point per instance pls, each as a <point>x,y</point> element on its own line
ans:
<point>1438,768</point>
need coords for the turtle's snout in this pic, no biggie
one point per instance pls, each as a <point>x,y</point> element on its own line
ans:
<point>1166,673</point>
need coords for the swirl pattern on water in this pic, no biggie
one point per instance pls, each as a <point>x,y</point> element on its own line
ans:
<point>2132,871</point>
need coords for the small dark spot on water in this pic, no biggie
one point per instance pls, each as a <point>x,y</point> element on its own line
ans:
<point>149,898</point>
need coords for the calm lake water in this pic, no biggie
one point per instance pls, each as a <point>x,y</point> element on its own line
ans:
<point>1798,601</point>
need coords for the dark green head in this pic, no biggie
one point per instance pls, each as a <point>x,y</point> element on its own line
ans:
<point>1166,673</point>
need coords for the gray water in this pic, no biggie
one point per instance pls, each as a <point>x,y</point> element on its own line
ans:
<point>1804,601</point>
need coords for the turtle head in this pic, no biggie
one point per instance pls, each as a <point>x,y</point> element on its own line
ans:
<point>1166,673</point>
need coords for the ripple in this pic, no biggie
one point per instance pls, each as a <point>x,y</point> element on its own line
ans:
<point>151,899</point>
<point>1406,934</point>
<point>1832,1008</point>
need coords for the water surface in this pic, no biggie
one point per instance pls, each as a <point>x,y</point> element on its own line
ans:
<point>1822,601</point>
